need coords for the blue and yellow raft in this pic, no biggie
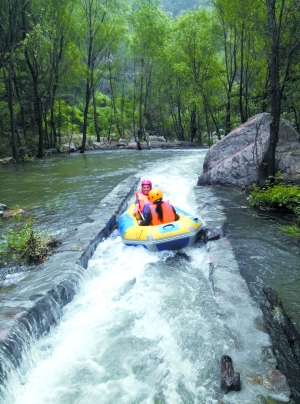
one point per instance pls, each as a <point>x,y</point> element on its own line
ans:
<point>170,236</point>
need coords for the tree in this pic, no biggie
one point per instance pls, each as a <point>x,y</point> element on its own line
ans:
<point>149,28</point>
<point>283,22</point>
<point>243,52</point>
<point>194,47</point>
<point>9,38</point>
<point>59,26</point>
<point>102,27</point>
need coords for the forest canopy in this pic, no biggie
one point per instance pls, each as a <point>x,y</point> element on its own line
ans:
<point>103,67</point>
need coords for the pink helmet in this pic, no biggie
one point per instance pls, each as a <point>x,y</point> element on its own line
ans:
<point>147,182</point>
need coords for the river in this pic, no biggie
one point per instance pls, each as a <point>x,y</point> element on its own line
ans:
<point>134,331</point>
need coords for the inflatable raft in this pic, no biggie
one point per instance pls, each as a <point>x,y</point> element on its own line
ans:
<point>170,236</point>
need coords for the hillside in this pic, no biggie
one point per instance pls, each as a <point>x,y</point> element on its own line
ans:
<point>178,6</point>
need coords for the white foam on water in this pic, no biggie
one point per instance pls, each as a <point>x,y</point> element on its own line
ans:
<point>143,328</point>
<point>134,333</point>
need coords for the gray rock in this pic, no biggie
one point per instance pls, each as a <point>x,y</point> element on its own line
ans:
<point>230,380</point>
<point>235,159</point>
<point>275,380</point>
<point>213,234</point>
<point>3,207</point>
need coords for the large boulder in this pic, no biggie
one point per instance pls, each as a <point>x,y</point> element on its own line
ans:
<point>235,159</point>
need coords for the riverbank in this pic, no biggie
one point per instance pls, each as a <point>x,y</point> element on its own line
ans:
<point>73,146</point>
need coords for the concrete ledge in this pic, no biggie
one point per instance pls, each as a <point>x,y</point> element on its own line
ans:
<point>244,338</point>
<point>34,304</point>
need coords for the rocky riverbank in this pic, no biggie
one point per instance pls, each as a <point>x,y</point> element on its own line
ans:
<point>153,142</point>
<point>73,145</point>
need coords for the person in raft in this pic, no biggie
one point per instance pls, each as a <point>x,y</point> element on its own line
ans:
<point>142,197</point>
<point>158,211</point>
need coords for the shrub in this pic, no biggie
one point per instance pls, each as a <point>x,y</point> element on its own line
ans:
<point>276,197</point>
<point>20,243</point>
<point>279,196</point>
<point>292,230</point>
<point>28,159</point>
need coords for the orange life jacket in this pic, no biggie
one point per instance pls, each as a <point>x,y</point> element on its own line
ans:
<point>168,213</point>
<point>142,199</point>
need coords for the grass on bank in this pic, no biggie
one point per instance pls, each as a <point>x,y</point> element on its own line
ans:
<point>279,196</point>
<point>20,243</point>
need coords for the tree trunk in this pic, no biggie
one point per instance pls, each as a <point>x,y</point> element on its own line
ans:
<point>207,125</point>
<point>39,116</point>
<point>97,128</point>
<point>37,104</point>
<point>141,131</point>
<point>21,105</point>
<point>85,116</point>
<point>241,106</point>
<point>180,128</point>
<point>113,102</point>
<point>267,168</point>
<point>9,85</point>
<point>57,58</point>
<point>228,113</point>
<point>274,32</point>
<point>193,124</point>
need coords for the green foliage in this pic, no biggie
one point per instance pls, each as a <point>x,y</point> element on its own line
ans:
<point>68,119</point>
<point>28,147</point>
<point>201,71</point>
<point>293,230</point>
<point>28,159</point>
<point>276,197</point>
<point>279,196</point>
<point>5,137</point>
<point>21,243</point>
<point>15,237</point>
